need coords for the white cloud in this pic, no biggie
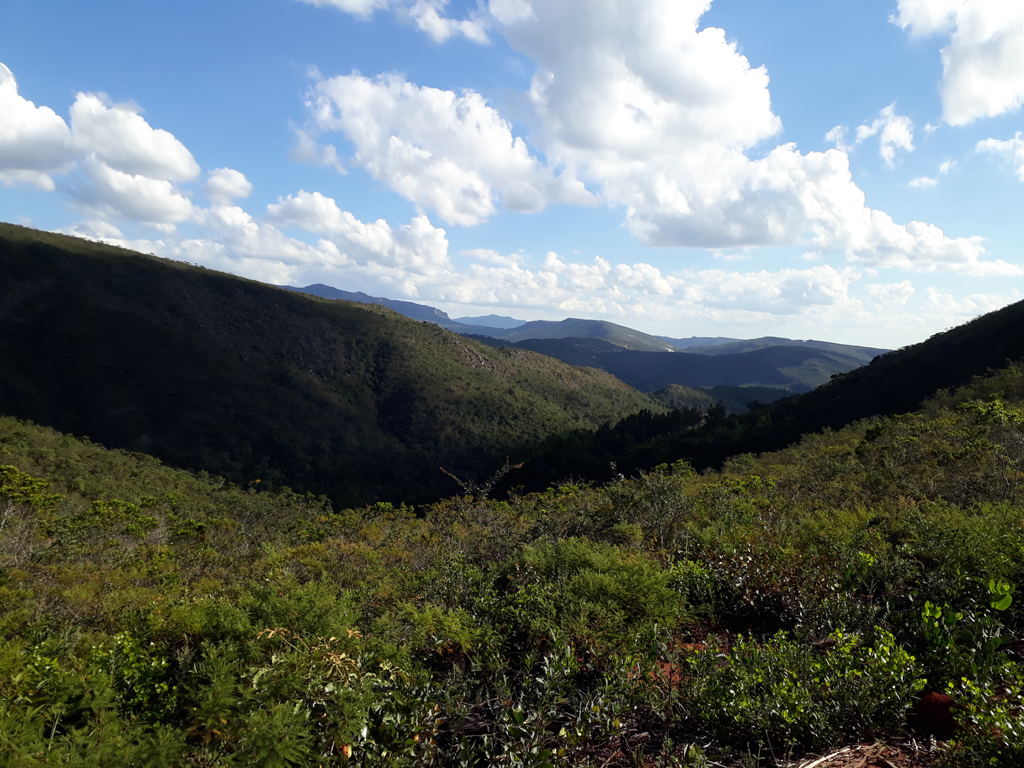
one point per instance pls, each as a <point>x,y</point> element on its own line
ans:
<point>510,11</point>
<point>225,185</point>
<point>886,294</point>
<point>306,150</point>
<point>969,306</point>
<point>108,192</point>
<point>37,179</point>
<point>429,19</point>
<point>362,8</point>
<point>923,182</point>
<point>787,291</point>
<point>654,115</point>
<point>983,64</point>
<point>897,132</point>
<point>658,115</point>
<point>427,16</point>
<point>946,166</point>
<point>34,141</point>
<point>1011,149</point>
<point>122,139</point>
<point>454,154</point>
<point>493,257</point>
<point>837,136</point>
<point>416,247</point>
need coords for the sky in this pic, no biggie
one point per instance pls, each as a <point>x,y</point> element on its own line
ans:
<point>821,169</point>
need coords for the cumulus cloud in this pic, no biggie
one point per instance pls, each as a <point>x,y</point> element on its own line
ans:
<point>225,185</point>
<point>1011,149</point>
<point>641,289</point>
<point>108,192</point>
<point>428,17</point>
<point>658,115</point>
<point>887,294</point>
<point>491,256</point>
<point>837,136</point>
<point>787,291</point>
<point>122,139</point>
<point>416,247</point>
<point>946,166</point>
<point>127,166</point>
<point>451,153</point>
<point>969,306</point>
<point>307,150</point>
<point>655,116</point>
<point>34,141</point>
<point>923,182</point>
<point>983,64</point>
<point>896,132</point>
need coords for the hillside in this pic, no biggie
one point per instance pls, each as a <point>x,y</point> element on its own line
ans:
<point>206,370</point>
<point>819,598</point>
<point>896,382</point>
<point>900,381</point>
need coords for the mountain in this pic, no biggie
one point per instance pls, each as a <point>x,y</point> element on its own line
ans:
<point>245,380</point>
<point>500,327</point>
<point>797,369</point>
<point>492,321</point>
<point>893,383</point>
<point>506,328</point>
<point>576,328</point>
<point>422,312</point>
<point>864,354</point>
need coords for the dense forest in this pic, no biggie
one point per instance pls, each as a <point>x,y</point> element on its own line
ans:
<point>212,372</point>
<point>603,581</point>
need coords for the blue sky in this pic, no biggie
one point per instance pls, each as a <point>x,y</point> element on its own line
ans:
<point>842,171</point>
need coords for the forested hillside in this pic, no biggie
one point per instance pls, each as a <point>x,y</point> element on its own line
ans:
<point>858,587</point>
<point>892,383</point>
<point>213,372</point>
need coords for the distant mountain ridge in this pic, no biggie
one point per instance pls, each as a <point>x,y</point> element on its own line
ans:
<point>863,354</point>
<point>492,321</point>
<point>794,368</point>
<point>512,330</point>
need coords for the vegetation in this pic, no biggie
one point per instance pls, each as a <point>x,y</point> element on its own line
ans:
<point>212,372</point>
<point>787,603</point>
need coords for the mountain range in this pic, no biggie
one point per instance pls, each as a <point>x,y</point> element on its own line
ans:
<point>210,371</point>
<point>650,362</point>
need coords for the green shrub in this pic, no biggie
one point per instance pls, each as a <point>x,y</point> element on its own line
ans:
<point>783,694</point>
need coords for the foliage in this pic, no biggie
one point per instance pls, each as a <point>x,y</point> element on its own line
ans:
<point>260,385</point>
<point>789,602</point>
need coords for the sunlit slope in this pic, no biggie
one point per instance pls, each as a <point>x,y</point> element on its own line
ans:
<point>207,370</point>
